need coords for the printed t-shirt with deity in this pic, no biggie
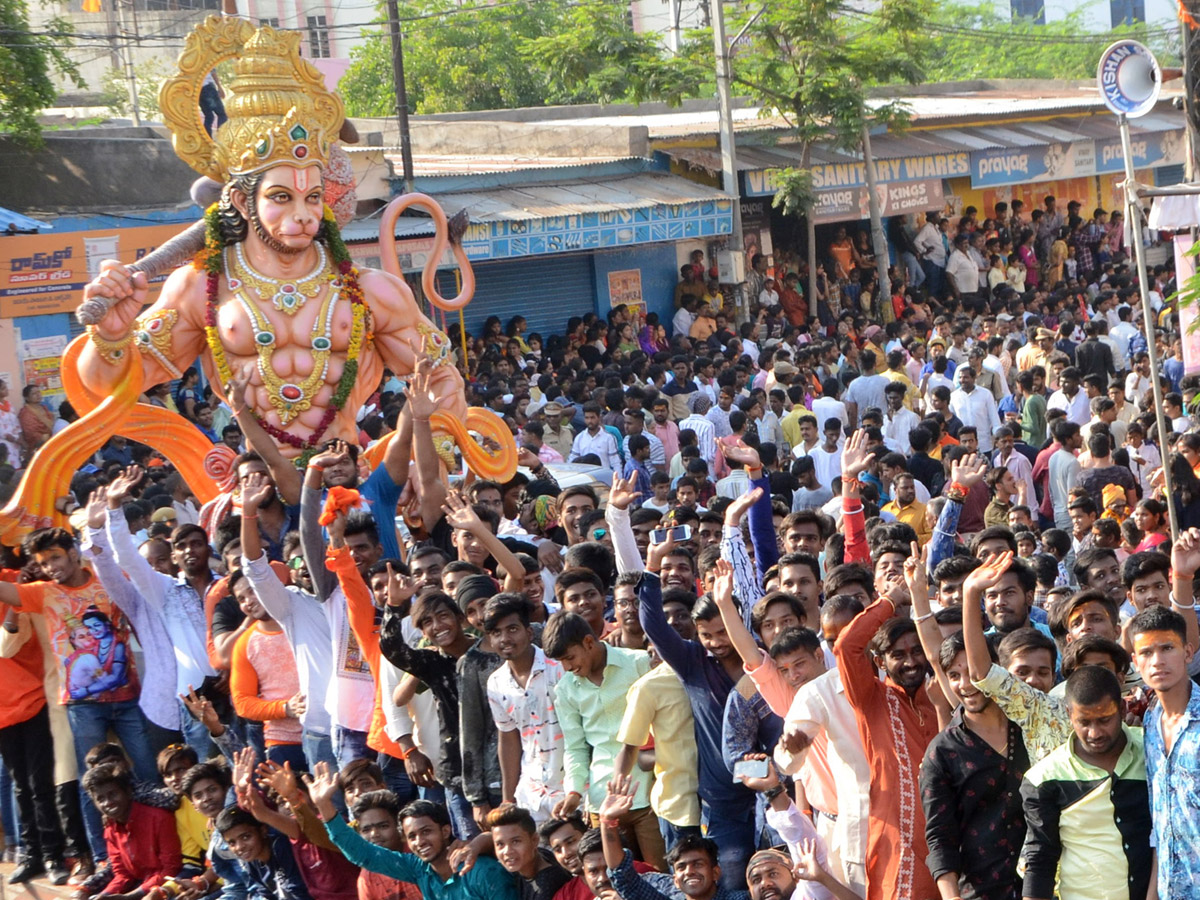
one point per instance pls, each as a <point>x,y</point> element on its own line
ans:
<point>90,637</point>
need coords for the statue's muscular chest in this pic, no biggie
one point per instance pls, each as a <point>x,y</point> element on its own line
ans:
<point>253,328</point>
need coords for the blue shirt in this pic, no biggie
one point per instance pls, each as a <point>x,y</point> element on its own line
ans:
<point>487,879</point>
<point>708,686</point>
<point>1174,782</point>
<point>656,885</point>
<point>381,495</point>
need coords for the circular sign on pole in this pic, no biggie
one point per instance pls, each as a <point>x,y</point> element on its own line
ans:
<point>1129,78</point>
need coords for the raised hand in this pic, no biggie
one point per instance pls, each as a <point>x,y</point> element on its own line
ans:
<point>989,574</point>
<point>203,710</point>
<point>459,513</point>
<point>235,391</point>
<point>400,587</point>
<point>336,452</point>
<point>856,458</point>
<point>322,788</point>
<point>622,493</point>
<point>722,590</point>
<point>256,490</point>
<point>420,397</point>
<point>740,506</point>
<point>656,553</point>
<point>1185,553</point>
<point>122,486</point>
<point>618,797</point>
<point>916,575</point>
<point>281,780</point>
<point>807,867</point>
<point>243,766</point>
<point>969,470</point>
<point>744,454</point>
<point>527,458</point>
<point>97,507</point>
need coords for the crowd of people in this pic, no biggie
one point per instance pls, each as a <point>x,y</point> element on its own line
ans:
<point>849,610</point>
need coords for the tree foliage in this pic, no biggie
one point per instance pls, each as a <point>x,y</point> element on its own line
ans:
<point>27,60</point>
<point>978,41</point>
<point>471,56</point>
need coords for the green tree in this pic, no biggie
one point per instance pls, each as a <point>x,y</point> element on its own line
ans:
<point>27,60</point>
<point>485,56</point>
<point>969,41</point>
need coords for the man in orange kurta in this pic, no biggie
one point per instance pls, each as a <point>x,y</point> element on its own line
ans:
<point>896,721</point>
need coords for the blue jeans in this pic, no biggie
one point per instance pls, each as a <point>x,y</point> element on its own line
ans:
<point>8,810</point>
<point>288,753</point>
<point>90,724</point>
<point>319,748</point>
<point>349,745</point>
<point>395,776</point>
<point>462,816</point>
<point>673,834</point>
<point>736,843</point>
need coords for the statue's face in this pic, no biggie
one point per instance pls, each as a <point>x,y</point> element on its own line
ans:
<point>288,205</point>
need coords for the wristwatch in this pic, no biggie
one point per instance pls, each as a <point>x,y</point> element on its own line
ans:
<point>772,793</point>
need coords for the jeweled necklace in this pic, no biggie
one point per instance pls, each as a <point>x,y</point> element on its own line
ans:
<point>286,296</point>
<point>210,260</point>
<point>290,398</point>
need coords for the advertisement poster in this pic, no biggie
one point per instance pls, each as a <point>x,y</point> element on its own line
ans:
<point>46,273</point>
<point>852,204</point>
<point>756,229</point>
<point>625,288</point>
<point>1185,268</point>
<point>41,361</point>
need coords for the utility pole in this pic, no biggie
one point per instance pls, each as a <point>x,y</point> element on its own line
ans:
<point>401,94</point>
<point>878,239</point>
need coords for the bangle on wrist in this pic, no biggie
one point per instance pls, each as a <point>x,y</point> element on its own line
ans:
<point>1188,606</point>
<point>316,467</point>
<point>923,618</point>
<point>246,515</point>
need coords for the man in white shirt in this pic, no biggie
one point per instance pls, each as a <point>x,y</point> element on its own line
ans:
<point>1123,332</point>
<point>1064,472</point>
<point>697,422</point>
<point>681,324</point>
<point>828,406</point>
<point>1016,462</point>
<point>963,274</point>
<point>898,420</point>
<point>931,247</point>
<point>1137,383</point>
<point>1070,398</point>
<point>975,407</point>
<point>594,439</point>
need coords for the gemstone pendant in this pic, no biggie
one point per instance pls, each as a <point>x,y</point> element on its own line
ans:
<point>291,393</point>
<point>264,338</point>
<point>321,343</point>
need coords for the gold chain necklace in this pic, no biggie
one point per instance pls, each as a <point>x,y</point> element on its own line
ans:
<point>290,398</point>
<point>286,296</point>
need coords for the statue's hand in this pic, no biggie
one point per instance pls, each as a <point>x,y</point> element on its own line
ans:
<point>124,293</point>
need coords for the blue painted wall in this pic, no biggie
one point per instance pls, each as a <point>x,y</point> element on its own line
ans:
<point>659,271</point>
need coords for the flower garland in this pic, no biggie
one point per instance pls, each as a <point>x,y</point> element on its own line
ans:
<point>209,259</point>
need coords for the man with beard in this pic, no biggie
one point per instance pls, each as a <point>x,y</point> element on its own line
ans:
<point>709,668</point>
<point>521,696</point>
<point>538,875</point>
<point>896,721</point>
<point>179,601</point>
<point>970,790</point>
<point>1087,805</point>
<point>377,818</point>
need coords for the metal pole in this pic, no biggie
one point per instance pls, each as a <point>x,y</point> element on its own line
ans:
<point>878,240</point>
<point>728,154</point>
<point>1133,213</point>
<point>127,62</point>
<point>401,93</point>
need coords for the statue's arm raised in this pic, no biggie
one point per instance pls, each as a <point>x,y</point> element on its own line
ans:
<point>174,325</point>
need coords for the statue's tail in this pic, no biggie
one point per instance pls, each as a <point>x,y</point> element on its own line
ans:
<point>447,233</point>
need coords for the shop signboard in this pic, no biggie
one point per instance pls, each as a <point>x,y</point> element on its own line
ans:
<point>46,273</point>
<point>1025,165</point>
<point>853,204</point>
<point>830,176</point>
<point>625,289</point>
<point>1150,150</point>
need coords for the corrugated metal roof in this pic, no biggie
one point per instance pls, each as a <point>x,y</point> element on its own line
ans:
<point>361,230</point>
<point>446,164</point>
<point>538,201</point>
<point>939,140</point>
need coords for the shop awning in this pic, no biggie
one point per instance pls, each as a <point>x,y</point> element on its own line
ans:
<point>15,222</point>
<point>990,155</point>
<point>572,216</point>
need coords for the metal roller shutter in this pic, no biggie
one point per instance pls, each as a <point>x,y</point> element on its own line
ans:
<point>546,290</point>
